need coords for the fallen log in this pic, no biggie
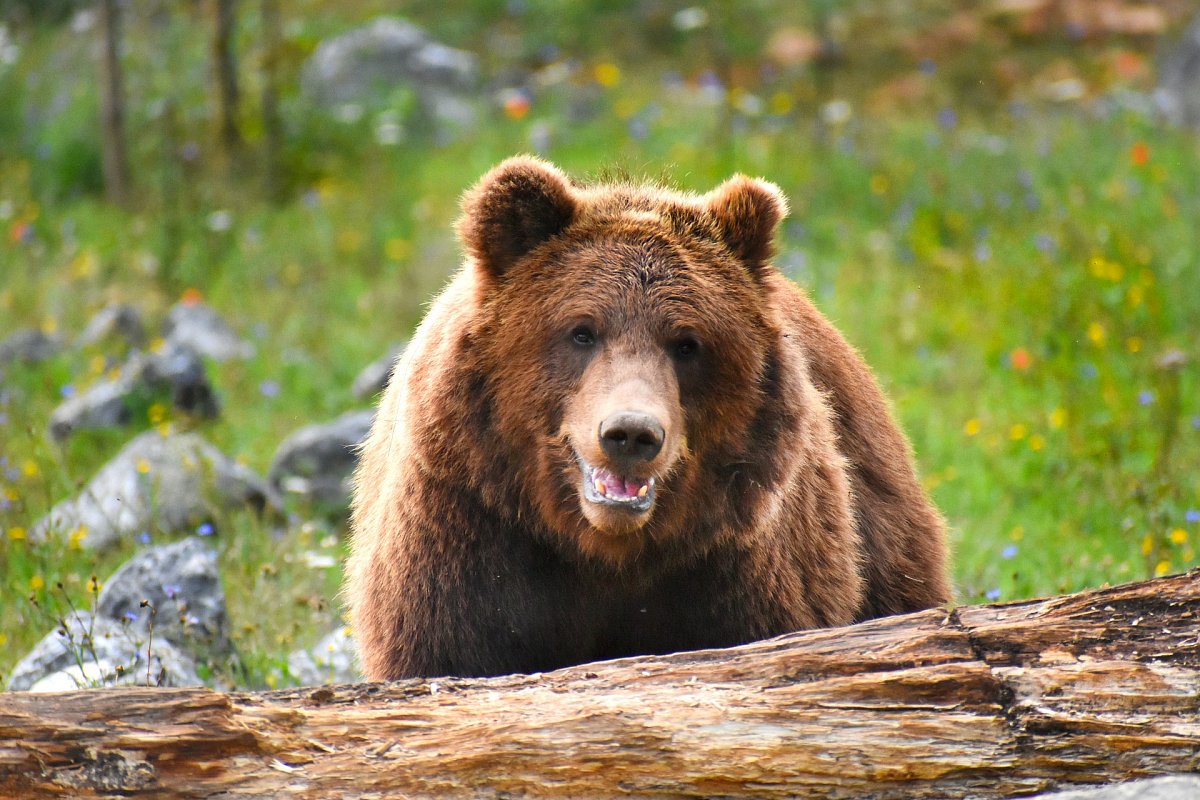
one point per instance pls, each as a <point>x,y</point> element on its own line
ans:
<point>981,702</point>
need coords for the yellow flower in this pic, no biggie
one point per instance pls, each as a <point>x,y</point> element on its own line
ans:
<point>972,427</point>
<point>1017,432</point>
<point>781,103</point>
<point>1096,334</point>
<point>1179,536</point>
<point>96,364</point>
<point>37,583</point>
<point>49,326</point>
<point>1162,568</point>
<point>1037,442</point>
<point>156,414</point>
<point>75,540</point>
<point>30,468</point>
<point>143,466</point>
<point>1147,544</point>
<point>1017,534</point>
<point>3,639</point>
<point>608,75</point>
<point>879,183</point>
<point>1133,344</point>
<point>1058,418</point>
<point>16,534</point>
<point>93,586</point>
<point>272,681</point>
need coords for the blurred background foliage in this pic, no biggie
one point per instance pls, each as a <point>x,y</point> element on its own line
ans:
<point>985,199</point>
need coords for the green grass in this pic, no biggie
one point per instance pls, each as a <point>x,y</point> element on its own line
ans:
<point>1013,280</point>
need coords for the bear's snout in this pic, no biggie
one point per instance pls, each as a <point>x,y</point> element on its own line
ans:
<point>631,440</point>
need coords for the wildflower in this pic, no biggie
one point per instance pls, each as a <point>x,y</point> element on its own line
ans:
<point>1179,536</point>
<point>206,529</point>
<point>516,103</point>
<point>1162,568</point>
<point>220,221</point>
<point>143,466</point>
<point>1147,544</point>
<point>144,537</point>
<point>992,594</point>
<point>171,590</point>
<point>16,534</point>
<point>75,540</point>
<point>690,19</point>
<point>607,75</point>
<point>190,297</point>
<point>37,583</point>
<point>1192,515</point>
<point>1017,432</point>
<point>972,427</point>
<point>130,615</point>
<point>1088,371</point>
<point>67,390</point>
<point>397,249</point>
<point>1133,344</point>
<point>947,118</point>
<point>1145,397</point>
<point>1058,418</point>
<point>269,388</point>
<point>156,413</point>
<point>1037,442</point>
<point>1009,552</point>
<point>1020,359</point>
<point>879,183</point>
<point>1096,334</point>
<point>30,468</point>
<point>1017,533</point>
<point>781,103</point>
<point>927,66</point>
<point>1139,154</point>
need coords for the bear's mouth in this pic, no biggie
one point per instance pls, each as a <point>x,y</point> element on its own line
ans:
<point>606,488</point>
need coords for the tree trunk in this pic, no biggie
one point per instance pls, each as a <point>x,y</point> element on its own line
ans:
<point>115,161</point>
<point>225,73</point>
<point>272,42</point>
<point>980,702</point>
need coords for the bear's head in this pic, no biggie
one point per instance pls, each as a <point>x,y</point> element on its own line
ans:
<point>624,354</point>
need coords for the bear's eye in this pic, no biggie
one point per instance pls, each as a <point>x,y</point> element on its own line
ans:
<point>583,336</point>
<point>685,348</point>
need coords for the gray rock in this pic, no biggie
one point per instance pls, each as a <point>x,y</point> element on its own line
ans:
<point>1178,90</point>
<point>374,377</point>
<point>334,659</point>
<point>175,371</point>
<point>87,651</point>
<point>29,346</point>
<point>317,462</point>
<point>201,328</point>
<point>183,585</point>
<point>1175,787</point>
<point>367,63</point>
<point>168,483</point>
<point>119,320</point>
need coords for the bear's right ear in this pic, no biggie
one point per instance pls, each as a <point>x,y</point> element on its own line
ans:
<point>518,205</point>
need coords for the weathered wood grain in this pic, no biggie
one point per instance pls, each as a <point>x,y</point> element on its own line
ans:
<point>987,701</point>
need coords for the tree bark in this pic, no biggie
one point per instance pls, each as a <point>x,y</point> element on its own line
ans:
<point>980,702</point>
<point>225,73</point>
<point>272,44</point>
<point>114,157</point>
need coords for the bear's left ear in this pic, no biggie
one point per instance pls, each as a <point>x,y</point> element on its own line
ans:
<point>747,211</point>
<point>521,203</point>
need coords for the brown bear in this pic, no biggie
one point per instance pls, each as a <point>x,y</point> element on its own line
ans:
<point>621,431</point>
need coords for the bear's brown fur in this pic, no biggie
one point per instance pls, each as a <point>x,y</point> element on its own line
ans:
<point>621,431</point>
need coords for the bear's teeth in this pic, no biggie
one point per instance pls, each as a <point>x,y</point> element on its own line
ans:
<point>600,487</point>
<point>642,491</point>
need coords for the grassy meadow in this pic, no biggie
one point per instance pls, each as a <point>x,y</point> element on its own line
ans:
<point>1022,273</point>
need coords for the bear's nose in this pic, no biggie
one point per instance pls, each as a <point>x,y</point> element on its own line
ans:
<point>631,436</point>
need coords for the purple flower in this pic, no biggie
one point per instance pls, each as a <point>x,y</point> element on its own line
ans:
<point>311,198</point>
<point>67,390</point>
<point>131,616</point>
<point>144,537</point>
<point>1088,371</point>
<point>171,590</point>
<point>269,388</point>
<point>1196,423</point>
<point>947,118</point>
<point>1192,515</point>
<point>1045,243</point>
<point>1009,551</point>
<point>206,529</point>
<point>1145,397</point>
<point>992,594</point>
<point>927,66</point>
